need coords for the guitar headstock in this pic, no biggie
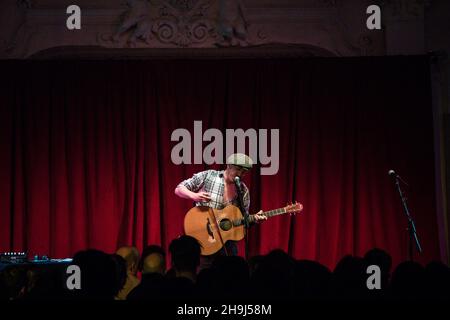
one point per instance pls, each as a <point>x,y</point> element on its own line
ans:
<point>293,208</point>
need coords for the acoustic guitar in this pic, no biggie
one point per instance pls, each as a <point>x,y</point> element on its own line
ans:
<point>214,227</point>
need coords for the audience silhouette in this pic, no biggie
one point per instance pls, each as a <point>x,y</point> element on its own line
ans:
<point>275,275</point>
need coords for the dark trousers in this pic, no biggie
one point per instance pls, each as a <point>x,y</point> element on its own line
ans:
<point>231,249</point>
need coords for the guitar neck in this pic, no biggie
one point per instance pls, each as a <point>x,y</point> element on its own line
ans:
<point>276,212</point>
<point>270,213</point>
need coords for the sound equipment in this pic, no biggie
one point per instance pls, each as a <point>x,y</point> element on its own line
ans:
<point>13,257</point>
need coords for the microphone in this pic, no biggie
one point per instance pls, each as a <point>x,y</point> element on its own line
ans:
<point>396,176</point>
<point>392,173</point>
<point>237,180</point>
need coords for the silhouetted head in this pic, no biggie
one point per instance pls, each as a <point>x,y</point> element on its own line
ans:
<point>349,278</point>
<point>153,259</point>
<point>380,258</point>
<point>383,260</point>
<point>312,279</point>
<point>408,280</point>
<point>131,256</point>
<point>99,278</point>
<point>154,263</point>
<point>185,253</point>
<point>274,275</point>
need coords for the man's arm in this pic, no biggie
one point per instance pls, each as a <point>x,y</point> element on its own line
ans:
<point>188,189</point>
<point>185,193</point>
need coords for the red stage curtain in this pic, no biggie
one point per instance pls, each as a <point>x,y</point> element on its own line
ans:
<point>86,151</point>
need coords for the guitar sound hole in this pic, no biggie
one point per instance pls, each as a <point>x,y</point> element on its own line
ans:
<point>225,224</point>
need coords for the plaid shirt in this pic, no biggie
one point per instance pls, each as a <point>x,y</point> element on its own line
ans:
<point>213,182</point>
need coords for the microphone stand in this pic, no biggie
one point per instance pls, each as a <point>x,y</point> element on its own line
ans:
<point>245,214</point>
<point>411,225</point>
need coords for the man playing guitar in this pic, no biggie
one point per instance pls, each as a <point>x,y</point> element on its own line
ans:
<point>217,189</point>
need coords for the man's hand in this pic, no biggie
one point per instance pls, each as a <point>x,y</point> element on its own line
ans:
<point>259,217</point>
<point>201,197</point>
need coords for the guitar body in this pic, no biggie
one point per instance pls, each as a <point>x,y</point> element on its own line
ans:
<point>213,227</point>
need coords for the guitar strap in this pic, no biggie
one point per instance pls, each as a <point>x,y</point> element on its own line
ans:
<point>213,217</point>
